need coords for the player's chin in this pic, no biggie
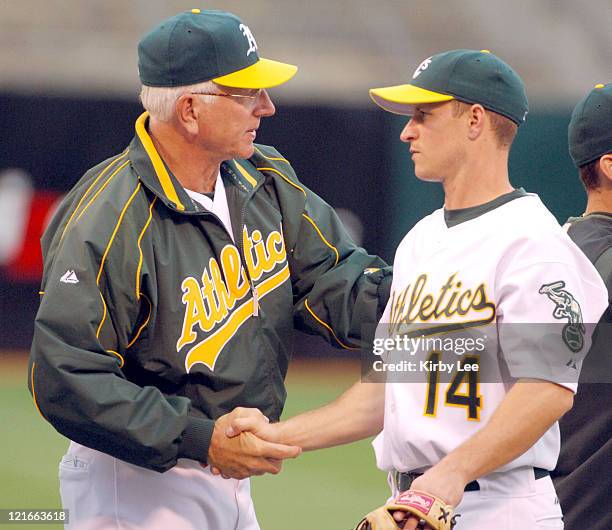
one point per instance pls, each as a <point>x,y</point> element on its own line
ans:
<point>425,177</point>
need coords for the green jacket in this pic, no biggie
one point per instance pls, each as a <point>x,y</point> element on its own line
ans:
<point>153,323</point>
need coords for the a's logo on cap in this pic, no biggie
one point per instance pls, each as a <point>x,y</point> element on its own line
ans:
<point>249,36</point>
<point>421,67</point>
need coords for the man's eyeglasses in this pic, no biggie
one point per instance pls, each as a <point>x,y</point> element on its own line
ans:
<point>226,95</point>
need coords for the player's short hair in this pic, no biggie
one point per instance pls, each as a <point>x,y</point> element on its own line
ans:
<point>160,101</point>
<point>504,129</point>
<point>589,174</point>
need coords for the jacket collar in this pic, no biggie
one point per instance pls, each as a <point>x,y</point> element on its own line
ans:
<point>156,175</point>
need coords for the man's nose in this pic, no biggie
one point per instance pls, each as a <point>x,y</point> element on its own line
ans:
<point>264,106</point>
<point>409,132</point>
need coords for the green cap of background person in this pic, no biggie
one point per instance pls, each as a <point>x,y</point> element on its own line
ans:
<point>590,129</point>
<point>466,75</point>
<point>206,45</point>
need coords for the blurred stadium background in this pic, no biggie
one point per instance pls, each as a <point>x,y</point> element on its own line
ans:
<point>68,99</point>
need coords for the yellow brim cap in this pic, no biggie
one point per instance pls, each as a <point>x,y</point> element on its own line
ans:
<point>400,99</point>
<point>265,73</point>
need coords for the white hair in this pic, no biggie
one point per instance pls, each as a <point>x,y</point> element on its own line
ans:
<point>160,101</point>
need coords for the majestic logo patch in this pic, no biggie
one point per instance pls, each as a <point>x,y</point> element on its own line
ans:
<point>249,36</point>
<point>567,307</point>
<point>423,66</point>
<point>69,277</point>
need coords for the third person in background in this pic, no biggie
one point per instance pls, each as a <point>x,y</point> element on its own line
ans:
<point>582,477</point>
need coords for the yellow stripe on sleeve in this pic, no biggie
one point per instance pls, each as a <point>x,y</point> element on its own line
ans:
<point>144,324</point>
<point>102,188</point>
<point>328,327</point>
<point>127,204</point>
<point>140,248</point>
<point>103,315</point>
<point>102,173</point>
<point>119,356</point>
<point>323,237</point>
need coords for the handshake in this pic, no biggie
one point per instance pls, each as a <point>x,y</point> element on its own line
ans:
<point>245,443</point>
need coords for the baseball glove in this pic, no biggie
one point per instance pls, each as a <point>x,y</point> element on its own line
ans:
<point>432,513</point>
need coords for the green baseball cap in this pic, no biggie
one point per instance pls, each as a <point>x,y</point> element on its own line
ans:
<point>466,75</point>
<point>206,45</point>
<point>590,129</point>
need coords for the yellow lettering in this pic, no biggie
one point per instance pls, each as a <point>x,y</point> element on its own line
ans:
<point>237,284</point>
<point>465,294</point>
<point>194,312</point>
<point>419,285</point>
<point>414,304</point>
<point>210,298</point>
<point>276,247</point>
<point>226,282</point>
<point>449,283</point>
<point>248,257</point>
<point>425,305</point>
<point>225,298</point>
<point>261,259</point>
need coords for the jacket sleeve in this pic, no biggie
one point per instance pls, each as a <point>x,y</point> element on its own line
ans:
<point>86,321</point>
<point>340,291</point>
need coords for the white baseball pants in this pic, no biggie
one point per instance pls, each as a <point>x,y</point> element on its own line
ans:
<point>104,493</point>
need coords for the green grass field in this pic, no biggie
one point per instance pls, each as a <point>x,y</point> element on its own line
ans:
<point>327,490</point>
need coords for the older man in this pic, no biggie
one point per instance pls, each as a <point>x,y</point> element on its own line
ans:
<point>175,273</point>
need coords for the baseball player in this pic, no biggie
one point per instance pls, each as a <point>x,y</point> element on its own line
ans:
<point>582,477</point>
<point>492,261</point>
<point>174,275</point>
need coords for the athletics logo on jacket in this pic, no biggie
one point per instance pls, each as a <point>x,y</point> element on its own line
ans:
<point>221,297</point>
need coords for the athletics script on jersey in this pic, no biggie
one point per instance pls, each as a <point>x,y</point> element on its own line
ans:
<point>216,299</point>
<point>453,307</point>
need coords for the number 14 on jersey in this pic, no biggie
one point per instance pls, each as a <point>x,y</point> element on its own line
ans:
<point>462,391</point>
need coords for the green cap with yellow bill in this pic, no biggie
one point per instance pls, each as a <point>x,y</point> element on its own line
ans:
<point>206,45</point>
<point>466,75</point>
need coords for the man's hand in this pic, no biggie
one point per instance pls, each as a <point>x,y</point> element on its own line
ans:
<point>258,425</point>
<point>245,455</point>
<point>446,484</point>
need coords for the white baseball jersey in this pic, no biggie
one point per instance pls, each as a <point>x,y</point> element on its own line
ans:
<point>511,276</point>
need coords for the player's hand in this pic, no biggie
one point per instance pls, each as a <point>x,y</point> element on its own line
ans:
<point>260,426</point>
<point>444,484</point>
<point>254,422</point>
<point>245,455</point>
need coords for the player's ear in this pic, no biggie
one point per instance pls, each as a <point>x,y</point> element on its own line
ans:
<point>605,168</point>
<point>187,113</point>
<point>476,121</point>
